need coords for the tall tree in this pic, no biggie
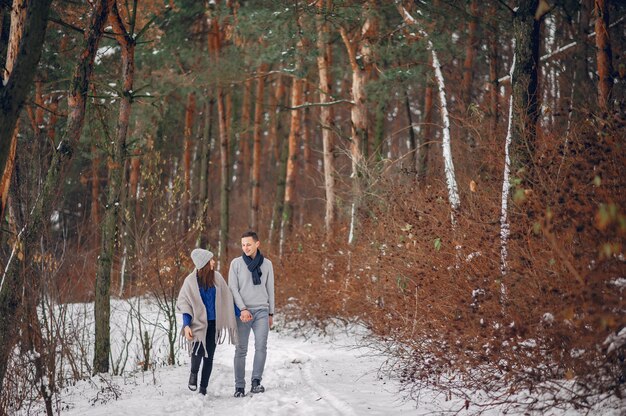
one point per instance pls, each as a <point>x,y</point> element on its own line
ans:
<point>27,33</point>
<point>255,180</point>
<point>126,37</point>
<point>360,55</point>
<point>604,56</point>
<point>324,7</point>
<point>526,30</point>
<point>63,152</point>
<point>470,52</point>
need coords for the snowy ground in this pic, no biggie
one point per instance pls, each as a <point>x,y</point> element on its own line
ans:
<point>316,376</point>
<point>304,375</point>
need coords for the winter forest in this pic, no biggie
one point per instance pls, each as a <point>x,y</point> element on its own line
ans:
<point>446,174</point>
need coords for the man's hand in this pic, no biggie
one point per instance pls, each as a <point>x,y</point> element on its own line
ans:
<point>188,333</point>
<point>246,316</point>
<point>271,322</point>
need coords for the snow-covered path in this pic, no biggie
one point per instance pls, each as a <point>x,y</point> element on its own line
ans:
<point>314,376</point>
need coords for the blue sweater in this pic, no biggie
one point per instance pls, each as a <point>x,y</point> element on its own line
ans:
<point>208,298</point>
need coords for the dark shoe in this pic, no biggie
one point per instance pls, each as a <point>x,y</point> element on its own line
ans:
<point>203,391</point>
<point>240,392</point>
<point>193,381</point>
<point>257,387</point>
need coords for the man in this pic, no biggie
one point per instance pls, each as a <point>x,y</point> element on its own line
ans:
<point>251,280</point>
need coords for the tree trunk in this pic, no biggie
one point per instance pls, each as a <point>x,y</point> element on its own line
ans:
<point>27,32</point>
<point>225,179</point>
<point>427,137</point>
<point>9,294</point>
<point>494,92</point>
<point>583,89</point>
<point>359,121</point>
<point>603,54</point>
<point>95,187</point>
<point>470,52</point>
<point>525,85</point>
<point>190,109</point>
<point>274,128</point>
<point>110,235</point>
<point>255,182</point>
<point>203,177</point>
<point>294,133</point>
<point>244,129</point>
<point>326,114</point>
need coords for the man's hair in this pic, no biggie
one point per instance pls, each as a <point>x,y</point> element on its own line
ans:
<point>250,233</point>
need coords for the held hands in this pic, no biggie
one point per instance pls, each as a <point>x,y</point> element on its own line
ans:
<point>188,333</point>
<point>246,316</point>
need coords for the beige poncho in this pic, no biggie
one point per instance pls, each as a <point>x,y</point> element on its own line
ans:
<point>189,301</point>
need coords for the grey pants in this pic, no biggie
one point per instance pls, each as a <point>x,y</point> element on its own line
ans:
<point>260,326</point>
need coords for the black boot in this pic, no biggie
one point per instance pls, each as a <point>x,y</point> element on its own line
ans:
<point>240,392</point>
<point>203,391</point>
<point>257,387</point>
<point>193,381</point>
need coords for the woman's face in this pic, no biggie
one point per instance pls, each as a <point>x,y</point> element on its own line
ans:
<point>212,263</point>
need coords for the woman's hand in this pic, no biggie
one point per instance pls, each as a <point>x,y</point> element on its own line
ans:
<point>246,316</point>
<point>188,333</point>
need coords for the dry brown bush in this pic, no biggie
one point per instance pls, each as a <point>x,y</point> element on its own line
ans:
<point>432,293</point>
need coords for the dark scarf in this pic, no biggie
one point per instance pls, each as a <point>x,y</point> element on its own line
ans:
<point>254,265</point>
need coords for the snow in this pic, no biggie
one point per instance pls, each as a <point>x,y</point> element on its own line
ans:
<point>304,375</point>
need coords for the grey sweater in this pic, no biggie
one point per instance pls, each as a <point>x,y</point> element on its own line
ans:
<point>245,293</point>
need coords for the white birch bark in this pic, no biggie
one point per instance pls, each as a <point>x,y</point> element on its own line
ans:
<point>453,193</point>
<point>506,187</point>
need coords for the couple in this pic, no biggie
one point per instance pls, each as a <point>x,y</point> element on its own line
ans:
<point>206,303</point>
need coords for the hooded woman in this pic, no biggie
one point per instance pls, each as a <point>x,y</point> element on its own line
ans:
<point>207,306</point>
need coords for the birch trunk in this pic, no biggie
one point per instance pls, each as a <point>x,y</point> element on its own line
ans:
<point>506,186</point>
<point>603,54</point>
<point>255,182</point>
<point>326,114</point>
<point>453,194</point>
<point>110,230</point>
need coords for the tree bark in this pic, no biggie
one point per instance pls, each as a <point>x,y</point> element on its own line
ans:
<point>494,86</point>
<point>525,85</point>
<point>190,110</point>
<point>244,130</point>
<point>604,56</point>
<point>470,52</point>
<point>9,294</point>
<point>27,33</point>
<point>326,114</point>
<point>294,133</point>
<point>110,231</point>
<point>255,182</point>
<point>203,177</point>
<point>359,118</point>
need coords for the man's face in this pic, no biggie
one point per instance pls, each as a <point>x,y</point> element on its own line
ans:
<point>249,246</point>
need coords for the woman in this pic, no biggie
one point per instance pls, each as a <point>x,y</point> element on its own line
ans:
<point>206,303</point>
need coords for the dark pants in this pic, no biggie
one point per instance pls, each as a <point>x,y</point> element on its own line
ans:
<point>198,357</point>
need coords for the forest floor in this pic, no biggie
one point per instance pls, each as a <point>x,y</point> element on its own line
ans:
<point>306,373</point>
